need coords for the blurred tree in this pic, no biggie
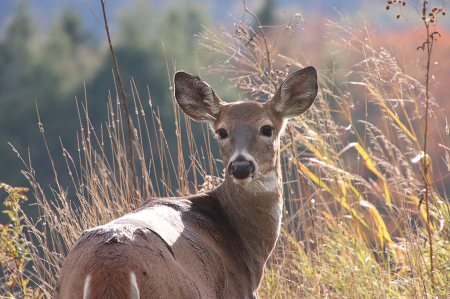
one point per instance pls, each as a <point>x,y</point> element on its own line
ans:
<point>49,68</point>
<point>15,54</point>
<point>138,45</point>
<point>179,28</point>
<point>67,56</point>
<point>267,12</point>
<point>43,70</point>
<point>16,59</point>
<point>71,25</point>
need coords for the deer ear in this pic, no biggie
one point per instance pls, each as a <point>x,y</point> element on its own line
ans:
<point>196,98</point>
<point>296,94</point>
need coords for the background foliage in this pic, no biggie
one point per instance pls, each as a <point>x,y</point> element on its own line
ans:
<point>358,222</point>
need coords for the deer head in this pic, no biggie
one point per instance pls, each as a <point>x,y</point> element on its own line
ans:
<point>248,132</point>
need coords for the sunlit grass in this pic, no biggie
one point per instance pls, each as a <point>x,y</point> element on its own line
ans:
<point>355,222</point>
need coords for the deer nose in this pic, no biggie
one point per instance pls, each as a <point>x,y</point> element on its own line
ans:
<point>241,168</point>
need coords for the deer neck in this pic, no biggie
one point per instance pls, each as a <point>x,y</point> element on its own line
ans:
<point>255,212</point>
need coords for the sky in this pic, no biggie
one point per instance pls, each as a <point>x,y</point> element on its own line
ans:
<point>221,10</point>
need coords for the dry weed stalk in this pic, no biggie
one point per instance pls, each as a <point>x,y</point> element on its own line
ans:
<point>124,101</point>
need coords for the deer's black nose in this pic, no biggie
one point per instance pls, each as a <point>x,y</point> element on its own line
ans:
<point>241,168</point>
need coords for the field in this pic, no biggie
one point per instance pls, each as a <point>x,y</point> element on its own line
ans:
<point>366,168</point>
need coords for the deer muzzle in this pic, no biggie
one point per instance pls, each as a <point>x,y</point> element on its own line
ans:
<point>241,170</point>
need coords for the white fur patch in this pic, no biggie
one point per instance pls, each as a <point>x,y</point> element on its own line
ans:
<point>285,121</point>
<point>242,182</point>
<point>86,287</point>
<point>160,218</point>
<point>210,123</point>
<point>244,153</point>
<point>134,291</point>
<point>276,214</point>
<point>263,183</point>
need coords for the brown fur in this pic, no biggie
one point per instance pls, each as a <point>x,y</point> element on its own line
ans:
<point>118,285</point>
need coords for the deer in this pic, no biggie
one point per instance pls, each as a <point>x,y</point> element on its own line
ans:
<point>208,245</point>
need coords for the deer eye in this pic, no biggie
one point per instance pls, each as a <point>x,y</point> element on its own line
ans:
<point>267,130</point>
<point>222,133</point>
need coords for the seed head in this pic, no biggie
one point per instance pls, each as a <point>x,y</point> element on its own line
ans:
<point>397,16</point>
<point>387,7</point>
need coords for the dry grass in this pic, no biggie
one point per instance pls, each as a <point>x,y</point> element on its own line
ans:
<point>356,224</point>
<point>102,187</point>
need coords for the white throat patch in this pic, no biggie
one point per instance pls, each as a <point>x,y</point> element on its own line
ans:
<point>263,183</point>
